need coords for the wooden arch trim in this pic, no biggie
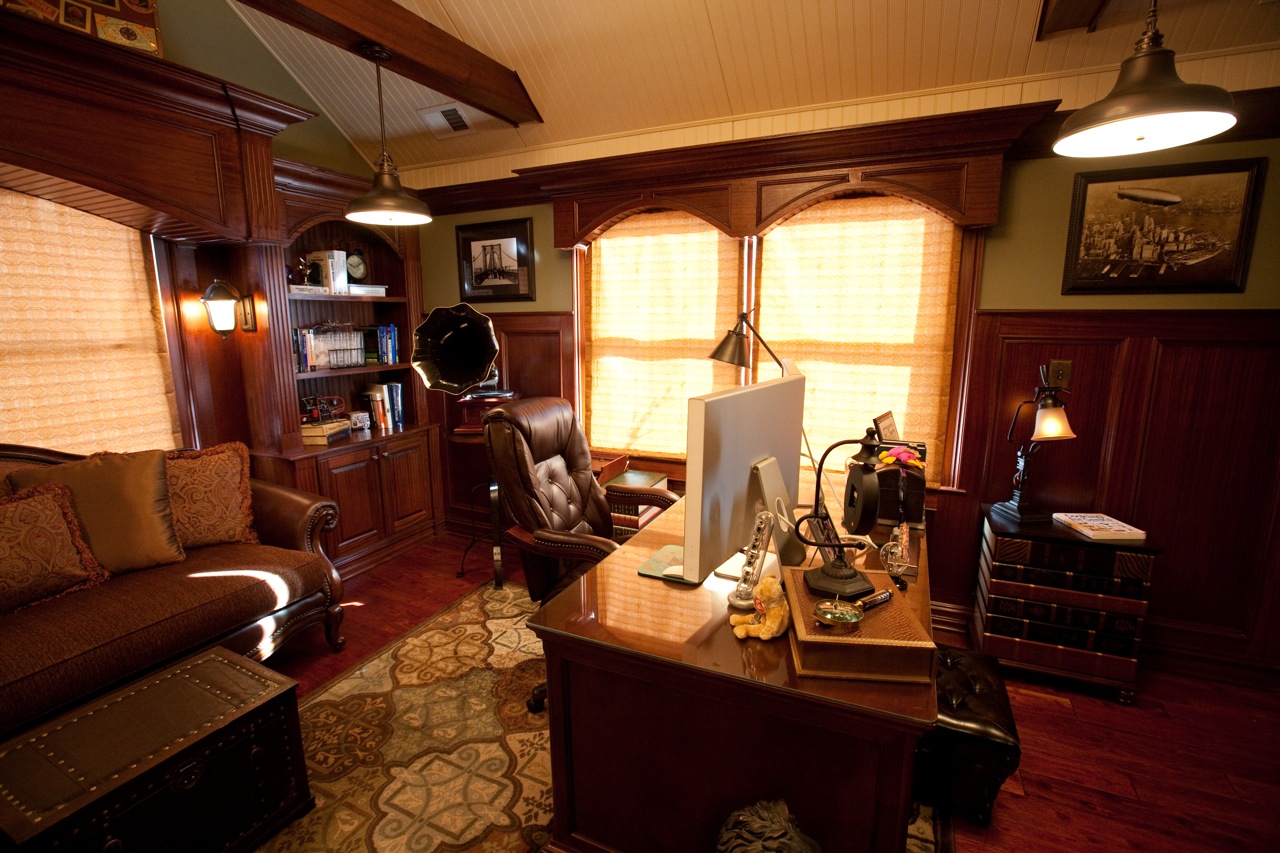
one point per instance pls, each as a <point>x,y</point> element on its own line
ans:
<point>950,163</point>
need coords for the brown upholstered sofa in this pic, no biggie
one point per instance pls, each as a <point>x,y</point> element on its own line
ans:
<point>113,564</point>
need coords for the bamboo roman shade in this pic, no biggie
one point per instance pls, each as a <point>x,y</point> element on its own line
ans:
<point>84,366</point>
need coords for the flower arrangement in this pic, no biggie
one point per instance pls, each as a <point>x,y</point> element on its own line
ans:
<point>903,457</point>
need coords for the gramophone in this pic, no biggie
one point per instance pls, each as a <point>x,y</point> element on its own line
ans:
<point>454,349</point>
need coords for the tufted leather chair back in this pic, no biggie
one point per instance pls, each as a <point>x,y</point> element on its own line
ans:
<point>540,459</point>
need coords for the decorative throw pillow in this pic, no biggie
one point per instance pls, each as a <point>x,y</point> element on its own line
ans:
<point>42,553</point>
<point>7,465</point>
<point>122,502</point>
<point>209,493</point>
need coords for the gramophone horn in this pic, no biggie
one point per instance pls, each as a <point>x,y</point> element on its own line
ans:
<point>454,348</point>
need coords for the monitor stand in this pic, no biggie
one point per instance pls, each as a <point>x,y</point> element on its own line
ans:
<point>766,476</point>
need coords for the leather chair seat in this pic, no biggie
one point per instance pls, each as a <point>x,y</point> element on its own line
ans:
<point>961,764</point>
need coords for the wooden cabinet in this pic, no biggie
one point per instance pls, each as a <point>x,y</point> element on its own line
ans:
<point>1052,600</point>
<point>384,491</point>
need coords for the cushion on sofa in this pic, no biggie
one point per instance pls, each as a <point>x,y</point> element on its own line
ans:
<point>7,465</point>
<point>124,626</point>
<point>122,502</point>
<point>42,553</point>
<point>209,494</point>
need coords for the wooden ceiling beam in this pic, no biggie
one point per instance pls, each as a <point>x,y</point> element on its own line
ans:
<point>1059,15</point>
<point>422,52</point>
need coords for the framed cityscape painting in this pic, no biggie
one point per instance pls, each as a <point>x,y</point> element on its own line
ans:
<point>1185,228</point>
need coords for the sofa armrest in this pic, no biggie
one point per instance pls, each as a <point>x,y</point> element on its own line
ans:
<point>291,518</point>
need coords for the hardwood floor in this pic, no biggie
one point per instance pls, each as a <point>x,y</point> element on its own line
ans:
<point>1192,765</point>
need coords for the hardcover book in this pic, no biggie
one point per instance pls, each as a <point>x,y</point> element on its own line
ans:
<point>1095,525</point>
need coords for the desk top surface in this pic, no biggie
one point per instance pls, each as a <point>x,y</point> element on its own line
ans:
<point>689,625</point>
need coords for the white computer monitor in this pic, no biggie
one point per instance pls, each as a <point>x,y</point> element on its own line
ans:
<point>730,432</point>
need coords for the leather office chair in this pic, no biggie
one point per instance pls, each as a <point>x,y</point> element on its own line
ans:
<point>540,460</point>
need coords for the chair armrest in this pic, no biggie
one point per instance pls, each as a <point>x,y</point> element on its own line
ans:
<point>561,545</point>
<point>291,518</point>
<point>640,496</point>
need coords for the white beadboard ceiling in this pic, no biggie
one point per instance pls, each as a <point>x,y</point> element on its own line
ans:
<point>618,76</point>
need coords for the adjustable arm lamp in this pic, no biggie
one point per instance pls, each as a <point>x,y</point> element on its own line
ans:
<point>1051,425</point>
<point>733,347</point>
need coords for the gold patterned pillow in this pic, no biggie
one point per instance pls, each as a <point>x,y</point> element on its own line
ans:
<point>210,496</point>
<point>42,553</point>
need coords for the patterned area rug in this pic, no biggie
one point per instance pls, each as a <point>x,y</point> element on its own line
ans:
<point>427,746</point>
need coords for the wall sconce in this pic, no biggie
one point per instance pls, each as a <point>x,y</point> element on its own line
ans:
<point>1051,425</point>
<point>228,309</point>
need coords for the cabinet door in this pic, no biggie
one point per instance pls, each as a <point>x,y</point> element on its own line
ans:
<point>406,471</point>
<point>351,479</point>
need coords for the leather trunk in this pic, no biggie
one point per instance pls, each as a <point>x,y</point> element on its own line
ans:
<point>205,755</point>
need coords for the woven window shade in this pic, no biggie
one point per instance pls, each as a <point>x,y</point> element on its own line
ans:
<point>662,290</point>
<point>84,365</point>
<point>862,292</point>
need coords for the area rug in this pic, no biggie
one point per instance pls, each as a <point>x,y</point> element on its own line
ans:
<point>427,745</point>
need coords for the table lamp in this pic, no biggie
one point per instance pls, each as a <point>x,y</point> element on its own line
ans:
<point>1051,425</point>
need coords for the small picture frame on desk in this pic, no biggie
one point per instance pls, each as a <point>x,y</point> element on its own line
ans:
<point>494,261</point>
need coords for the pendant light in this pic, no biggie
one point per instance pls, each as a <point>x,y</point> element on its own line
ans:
<point>386,203</point>
<point>1150,107</point>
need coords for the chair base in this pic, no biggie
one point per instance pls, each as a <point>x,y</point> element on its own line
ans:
<point>537,701</point>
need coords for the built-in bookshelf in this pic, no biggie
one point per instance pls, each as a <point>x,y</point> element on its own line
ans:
<point>386,481</point>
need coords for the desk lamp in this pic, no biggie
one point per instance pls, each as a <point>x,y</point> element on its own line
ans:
<point>837,576</point>
<point>1051,425</point>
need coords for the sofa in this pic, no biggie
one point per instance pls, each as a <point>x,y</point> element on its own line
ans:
<point>114,564</point>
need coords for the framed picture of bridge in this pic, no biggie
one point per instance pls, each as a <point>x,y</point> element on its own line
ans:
<point>1184,228</point>
<point>494,261</point>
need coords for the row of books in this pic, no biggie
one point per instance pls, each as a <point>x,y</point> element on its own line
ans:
<point>332,346</point>
<point>386,405</point>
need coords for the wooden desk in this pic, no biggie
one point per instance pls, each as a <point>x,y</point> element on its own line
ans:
<point>663,723</point>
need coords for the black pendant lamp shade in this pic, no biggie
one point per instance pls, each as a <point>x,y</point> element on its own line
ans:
<point>1150,107</point>
<point>386,203</point>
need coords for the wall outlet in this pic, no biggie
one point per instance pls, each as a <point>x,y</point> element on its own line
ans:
<point>1059,373</point>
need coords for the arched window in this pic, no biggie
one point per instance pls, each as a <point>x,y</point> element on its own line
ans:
<point>861,292</point>
<point>661,290</point>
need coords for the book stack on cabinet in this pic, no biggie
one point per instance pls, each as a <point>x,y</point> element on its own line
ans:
<point>1055,600</point>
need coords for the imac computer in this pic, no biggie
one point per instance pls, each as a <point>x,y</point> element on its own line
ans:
<point>731,433</point>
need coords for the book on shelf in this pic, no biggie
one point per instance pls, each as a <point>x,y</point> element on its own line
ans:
<point>1096,525</point>
<point>328,346</point>
<point>366,289</point>
<point>333,269</point>
<point>308,289</point>
<point>380,345</point>
<point>386,404</point>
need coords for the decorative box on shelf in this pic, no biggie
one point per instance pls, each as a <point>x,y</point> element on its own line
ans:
<point>1054,600</point>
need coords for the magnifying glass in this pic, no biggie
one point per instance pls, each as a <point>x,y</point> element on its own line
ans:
<point>835,611</point>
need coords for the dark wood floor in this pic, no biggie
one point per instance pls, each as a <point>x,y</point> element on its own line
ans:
<point>1191,766</point>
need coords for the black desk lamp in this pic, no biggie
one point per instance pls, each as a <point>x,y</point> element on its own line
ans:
<point>1051,425</point>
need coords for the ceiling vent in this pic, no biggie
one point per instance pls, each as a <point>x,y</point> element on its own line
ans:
<point>448,120</point>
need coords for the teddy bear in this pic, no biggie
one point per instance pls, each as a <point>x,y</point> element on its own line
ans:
<point>772,616</point>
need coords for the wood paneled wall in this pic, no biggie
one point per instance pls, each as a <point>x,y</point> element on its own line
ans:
<point>1175,417</point>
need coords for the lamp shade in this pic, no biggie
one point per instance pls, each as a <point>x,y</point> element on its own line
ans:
<point>220,302</point>
<point>1150,107</point>
<point>733,348</point>
<point>387,203</point>
<point>1051,423</point>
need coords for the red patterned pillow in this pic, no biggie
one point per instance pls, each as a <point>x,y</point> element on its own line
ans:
<point>209,493</point>
<point>42,553</point>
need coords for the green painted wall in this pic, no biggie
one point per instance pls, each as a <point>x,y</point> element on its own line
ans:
<point>552,267</point>
<point>1025,254</point>
<point>236,55</point>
